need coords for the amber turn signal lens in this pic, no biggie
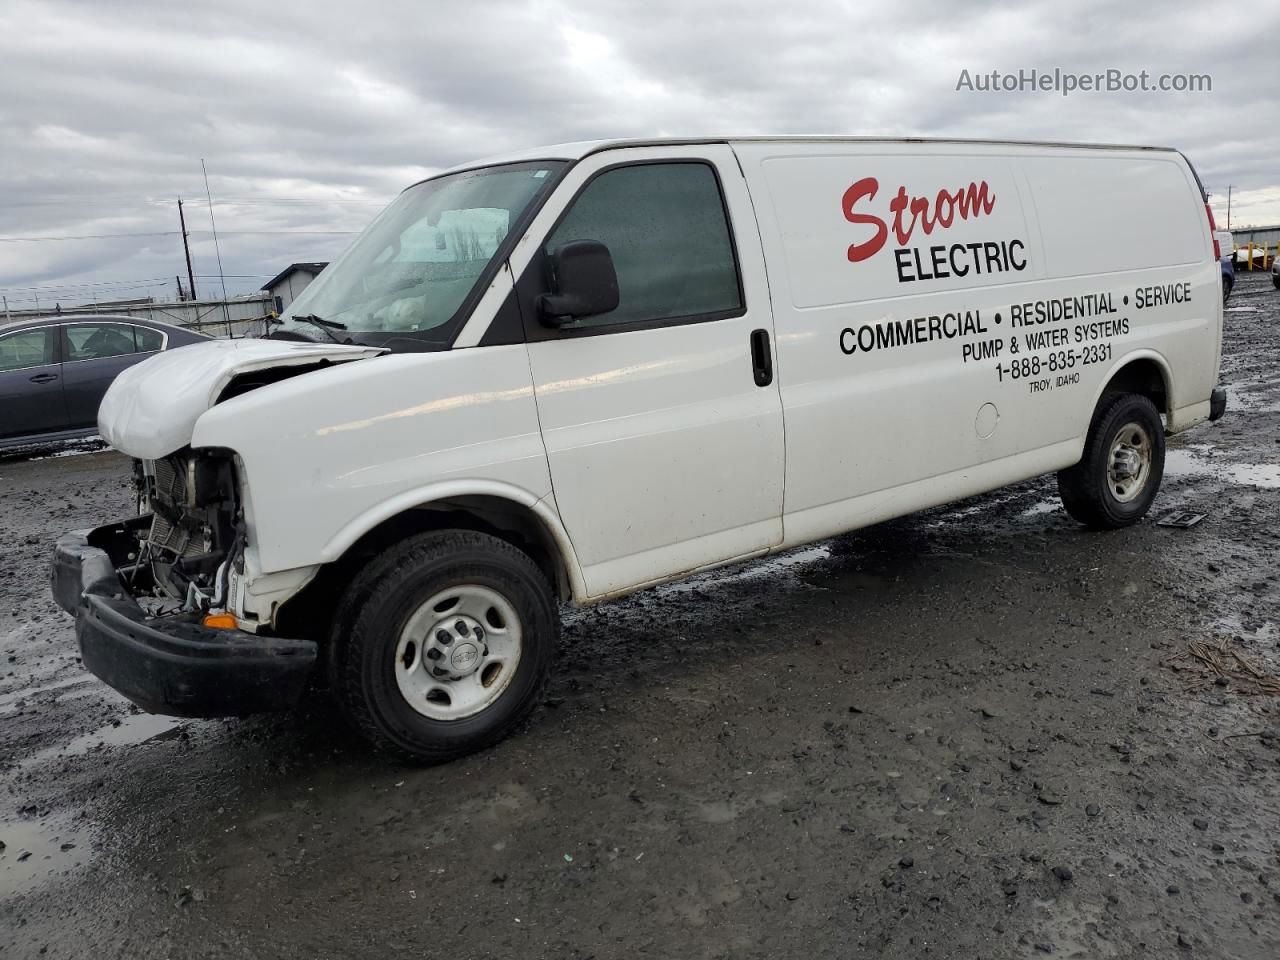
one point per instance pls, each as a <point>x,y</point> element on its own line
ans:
<point>223,621</point>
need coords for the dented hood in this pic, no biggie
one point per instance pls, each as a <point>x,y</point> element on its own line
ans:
<point>152,407</point>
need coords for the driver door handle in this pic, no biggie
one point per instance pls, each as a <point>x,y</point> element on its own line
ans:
<point>761,358</point>
<point>44,378</point>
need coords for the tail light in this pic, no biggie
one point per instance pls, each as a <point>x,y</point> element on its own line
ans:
<point>1213,233</point>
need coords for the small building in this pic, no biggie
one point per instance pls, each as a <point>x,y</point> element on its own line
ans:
<point>1258,236</point>
<point>291,281</point>
<point>1262,242</point>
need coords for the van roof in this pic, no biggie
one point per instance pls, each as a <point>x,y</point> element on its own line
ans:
<point>582,148</point>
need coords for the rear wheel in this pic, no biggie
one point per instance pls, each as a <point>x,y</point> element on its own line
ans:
<point>1227,284</point>
<point>1119,475</point>
<point>450,643</point>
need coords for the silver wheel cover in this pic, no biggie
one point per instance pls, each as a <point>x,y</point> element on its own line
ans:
<point>458,652</point>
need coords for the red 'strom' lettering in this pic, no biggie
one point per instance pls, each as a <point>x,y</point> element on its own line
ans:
<point>866,187</point>
<point>972,201</point>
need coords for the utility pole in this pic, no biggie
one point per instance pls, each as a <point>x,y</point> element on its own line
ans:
<point>178,281</point>
<point>1228,206</point>
<point>7,317</point>
<point>186,248</point>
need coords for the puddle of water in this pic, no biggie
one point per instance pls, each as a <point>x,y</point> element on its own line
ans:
<point>36,849</point>
<point>1183,463</point>
<point>134,729</point>
<point>1232,623</point>
<point>1195,462</point>
<point>1255,474</point>
<point>1248,396</point>
<point>1047,506</point>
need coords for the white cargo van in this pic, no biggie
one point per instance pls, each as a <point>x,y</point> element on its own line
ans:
<point>578,371</point>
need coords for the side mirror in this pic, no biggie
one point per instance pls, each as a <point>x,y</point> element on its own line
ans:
<point>583,282</point>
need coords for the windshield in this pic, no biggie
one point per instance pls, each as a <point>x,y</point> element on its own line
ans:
<point>411,271</point>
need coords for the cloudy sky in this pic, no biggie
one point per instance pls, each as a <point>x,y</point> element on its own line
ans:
<point>312,115</point>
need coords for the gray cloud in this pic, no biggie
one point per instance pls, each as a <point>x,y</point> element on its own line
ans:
<point>109,107</point>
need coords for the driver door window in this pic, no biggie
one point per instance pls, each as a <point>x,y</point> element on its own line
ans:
<point>667,232</point>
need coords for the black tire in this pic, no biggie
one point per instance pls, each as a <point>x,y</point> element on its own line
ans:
<point>378,605</point>
<point>1275,280</point>
<point>1227,284</point>
<point>1086,489</point>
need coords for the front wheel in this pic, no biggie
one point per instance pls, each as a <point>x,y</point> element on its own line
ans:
<point>450,645</point>
<point>1227,284</point>
<point>1119,475</point>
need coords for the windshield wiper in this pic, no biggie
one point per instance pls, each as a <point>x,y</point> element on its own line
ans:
<point>327,326</point>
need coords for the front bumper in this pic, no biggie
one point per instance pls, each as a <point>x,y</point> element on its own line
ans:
<point>1217,403</point>
<point>171,665</point>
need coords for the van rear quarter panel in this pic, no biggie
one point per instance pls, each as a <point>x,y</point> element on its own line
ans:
<point>1152,236</point>
<point>963,344</point>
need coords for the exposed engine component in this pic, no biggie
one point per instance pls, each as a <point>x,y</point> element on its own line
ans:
<point>197,524</point>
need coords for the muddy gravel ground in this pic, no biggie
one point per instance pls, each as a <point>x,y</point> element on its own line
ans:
<point>956,735</point>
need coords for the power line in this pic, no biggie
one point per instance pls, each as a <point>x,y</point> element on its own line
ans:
<point>221,201</point>
<point>77,287</point>
<point>175,233</point>
<point>86,283</point>
<point>109,283</point>
<point>94,236</point>
<point>276,233</point>
<point>141,281</point>
<point>125,291</point>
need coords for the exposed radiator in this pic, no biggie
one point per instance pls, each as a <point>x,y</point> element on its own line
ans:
<point>176,540</point>
<point>170,481</point>
<point>170,490</point>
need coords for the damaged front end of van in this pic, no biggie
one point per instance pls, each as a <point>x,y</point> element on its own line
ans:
<point>159,599</point>
<point>259,461</point>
